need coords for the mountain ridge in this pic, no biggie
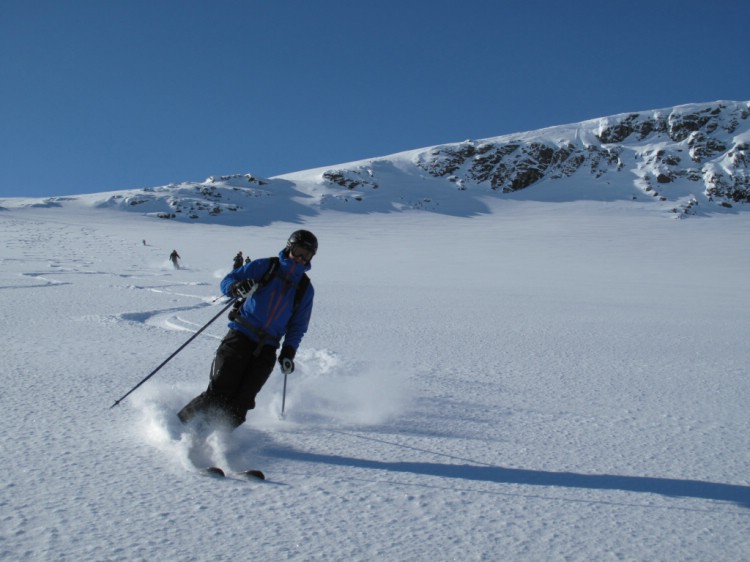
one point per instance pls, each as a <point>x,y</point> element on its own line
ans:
<point>689,159</point>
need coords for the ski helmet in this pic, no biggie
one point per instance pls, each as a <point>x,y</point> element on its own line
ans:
<point>303,238</point>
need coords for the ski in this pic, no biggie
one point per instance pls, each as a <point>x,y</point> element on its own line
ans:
<point>218,472</point>
<point>253,474</point>
<point>214,471</point>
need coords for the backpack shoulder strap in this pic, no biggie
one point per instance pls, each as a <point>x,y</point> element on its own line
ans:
<point>270,272</point>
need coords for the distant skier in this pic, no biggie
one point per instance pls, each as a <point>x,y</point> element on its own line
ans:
<point>174,257</point>
<point>273,311</point>
<point>239,302</point>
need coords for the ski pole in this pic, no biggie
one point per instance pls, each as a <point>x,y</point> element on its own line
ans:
<point>195,335</point>
<point>283,397</point>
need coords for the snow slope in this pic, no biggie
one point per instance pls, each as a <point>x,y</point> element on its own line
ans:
<point>538,381</point>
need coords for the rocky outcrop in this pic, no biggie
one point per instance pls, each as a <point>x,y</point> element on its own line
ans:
<point>705,144</point>
<point>351,179</point>
<point>191,200</point>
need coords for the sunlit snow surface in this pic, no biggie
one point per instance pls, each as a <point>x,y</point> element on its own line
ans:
<point>539,382</point>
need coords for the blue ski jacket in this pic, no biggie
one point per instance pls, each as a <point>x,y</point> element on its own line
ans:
<point>268,315</point>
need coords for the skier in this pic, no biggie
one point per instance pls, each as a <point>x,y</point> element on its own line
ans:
<point>240,301</point>
<point>272,312</point>
<point>237,261</point>
<point>174,257</point>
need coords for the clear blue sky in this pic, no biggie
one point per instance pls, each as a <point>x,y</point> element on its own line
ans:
<point>101,95</point>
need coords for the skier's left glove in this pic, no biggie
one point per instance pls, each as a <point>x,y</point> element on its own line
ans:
<point>286,360</point>
<point>241,289</point>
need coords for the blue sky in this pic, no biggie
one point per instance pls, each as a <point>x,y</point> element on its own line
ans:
<point>107,95</point>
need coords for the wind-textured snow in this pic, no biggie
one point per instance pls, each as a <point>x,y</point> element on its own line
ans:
<point>545,382</point>
<point>483,379</point>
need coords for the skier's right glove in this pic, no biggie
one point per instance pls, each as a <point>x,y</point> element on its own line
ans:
<point>286,360</point>
<point>242,289</point>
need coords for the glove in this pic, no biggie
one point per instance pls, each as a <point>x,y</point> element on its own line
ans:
<point>286,360</point>
<point>242,289</point>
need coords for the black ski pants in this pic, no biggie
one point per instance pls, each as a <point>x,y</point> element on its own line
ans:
<point>237,375</point>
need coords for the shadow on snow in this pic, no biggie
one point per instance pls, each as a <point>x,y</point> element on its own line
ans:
<point>737,494</point>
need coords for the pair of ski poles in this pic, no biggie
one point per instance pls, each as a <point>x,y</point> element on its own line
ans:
<point>168,359</point>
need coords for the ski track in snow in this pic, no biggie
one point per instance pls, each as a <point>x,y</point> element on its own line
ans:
<point>580,395</point>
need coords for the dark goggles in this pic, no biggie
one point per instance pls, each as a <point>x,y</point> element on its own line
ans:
<point>302,253</point>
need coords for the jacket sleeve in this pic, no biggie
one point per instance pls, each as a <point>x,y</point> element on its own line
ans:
<point>300,320</point>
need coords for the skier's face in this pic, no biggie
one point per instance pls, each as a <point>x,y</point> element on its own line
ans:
<point>300,254</point>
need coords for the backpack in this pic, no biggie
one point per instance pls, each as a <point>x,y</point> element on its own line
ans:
<point>264,280</point>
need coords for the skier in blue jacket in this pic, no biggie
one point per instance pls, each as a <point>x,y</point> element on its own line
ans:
<point>273,315</point>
